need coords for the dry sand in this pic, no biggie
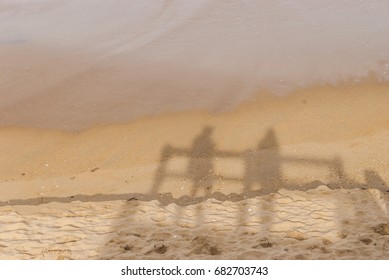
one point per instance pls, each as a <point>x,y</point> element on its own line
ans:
<point>302,176</point>
<point>317,224</point>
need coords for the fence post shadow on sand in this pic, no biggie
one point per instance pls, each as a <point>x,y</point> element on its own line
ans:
<point>262,173</point>
<point>200,166</point>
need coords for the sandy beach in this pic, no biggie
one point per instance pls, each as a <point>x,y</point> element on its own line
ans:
<point>198,130</point>
<point>249,183</point>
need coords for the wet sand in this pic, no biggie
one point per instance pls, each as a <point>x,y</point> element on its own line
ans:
<point>194,129</point>
<point>302,176</point>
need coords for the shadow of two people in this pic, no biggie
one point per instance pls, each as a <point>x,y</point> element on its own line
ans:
<point>262,166</point>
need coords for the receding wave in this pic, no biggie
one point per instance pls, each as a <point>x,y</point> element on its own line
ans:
<point>94,57</point>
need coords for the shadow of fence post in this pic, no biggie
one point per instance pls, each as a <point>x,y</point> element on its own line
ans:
<point>262,167</point>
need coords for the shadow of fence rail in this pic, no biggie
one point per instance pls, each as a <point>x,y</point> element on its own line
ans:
<point>262,174</point>
<point>262,166</point>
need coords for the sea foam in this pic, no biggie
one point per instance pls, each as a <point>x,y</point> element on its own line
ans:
<point>167,55</point>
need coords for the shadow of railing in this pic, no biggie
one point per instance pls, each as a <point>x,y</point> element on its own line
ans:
<point>262,167</point>
<point>261,173</point>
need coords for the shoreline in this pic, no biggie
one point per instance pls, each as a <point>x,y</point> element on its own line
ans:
<point>252,183</point>
<point>325,124</point>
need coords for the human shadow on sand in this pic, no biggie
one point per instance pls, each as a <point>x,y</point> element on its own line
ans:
<point>262,174</point>
<point>262,166</point>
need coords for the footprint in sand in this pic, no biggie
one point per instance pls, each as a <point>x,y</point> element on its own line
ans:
<point>382,229</point>
<point>202,245</point>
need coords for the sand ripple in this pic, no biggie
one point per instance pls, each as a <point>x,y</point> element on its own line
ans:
<point>317,224</point>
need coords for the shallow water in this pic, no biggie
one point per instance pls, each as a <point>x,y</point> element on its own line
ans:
<point>71,64</point>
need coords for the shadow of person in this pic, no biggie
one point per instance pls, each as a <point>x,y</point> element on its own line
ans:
<point>263,169</point>
<point>200,168</point>
<point>263,165</point>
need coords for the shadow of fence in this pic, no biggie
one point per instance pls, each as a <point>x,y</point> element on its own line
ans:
<point>257,171</point>
<point>262,166</point>
<point>262,172</point>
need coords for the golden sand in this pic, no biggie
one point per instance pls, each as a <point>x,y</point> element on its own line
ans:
<point>298,176</point>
